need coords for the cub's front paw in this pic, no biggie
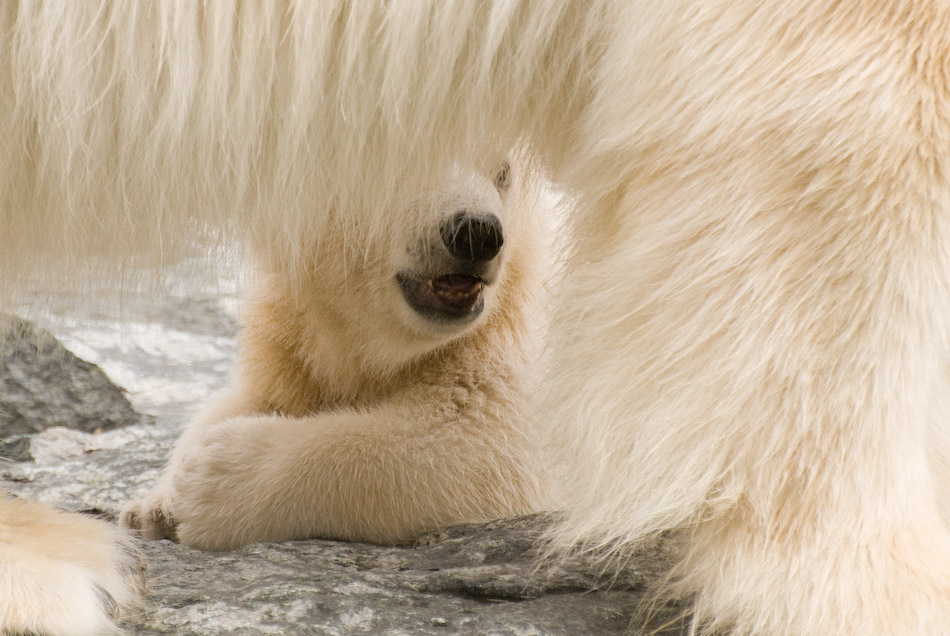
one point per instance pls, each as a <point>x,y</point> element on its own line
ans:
<point>151,517</point>
<point>218,492</point>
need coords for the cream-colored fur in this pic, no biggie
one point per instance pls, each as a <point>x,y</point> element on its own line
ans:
<point>752,338</point>
<point>353,417</point>
<point>61,573</point>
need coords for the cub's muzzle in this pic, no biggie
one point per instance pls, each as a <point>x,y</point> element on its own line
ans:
<point>450,290</point>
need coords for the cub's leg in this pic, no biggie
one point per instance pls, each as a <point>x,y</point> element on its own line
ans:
<point>382,475</point>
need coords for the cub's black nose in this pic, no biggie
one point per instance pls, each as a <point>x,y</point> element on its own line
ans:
<point>473,237</point>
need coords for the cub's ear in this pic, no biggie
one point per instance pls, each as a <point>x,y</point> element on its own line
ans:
<point>503,177</point>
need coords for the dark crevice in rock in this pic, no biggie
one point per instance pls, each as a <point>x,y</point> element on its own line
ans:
<point>16,449</point>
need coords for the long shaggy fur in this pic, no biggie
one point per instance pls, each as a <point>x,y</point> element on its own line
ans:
<point>752,339</point>
<point>61,574</point>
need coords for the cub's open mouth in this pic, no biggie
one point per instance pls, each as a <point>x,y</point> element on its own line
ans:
<point>450,297</point>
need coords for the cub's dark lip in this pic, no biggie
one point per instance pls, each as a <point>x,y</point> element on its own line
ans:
<point>451,297</point>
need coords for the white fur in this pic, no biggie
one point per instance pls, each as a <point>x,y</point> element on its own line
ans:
<point>61,573</point>
<point>752,338</point>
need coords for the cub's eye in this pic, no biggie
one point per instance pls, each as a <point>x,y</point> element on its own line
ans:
<point>503,177</point>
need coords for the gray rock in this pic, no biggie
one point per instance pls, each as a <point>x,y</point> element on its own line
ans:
<point>43,385</point>
<point>481,579</point>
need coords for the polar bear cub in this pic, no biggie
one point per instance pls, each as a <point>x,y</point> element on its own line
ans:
<point>381,389</point>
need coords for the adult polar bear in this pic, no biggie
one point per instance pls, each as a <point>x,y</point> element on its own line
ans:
<point>752,338</point>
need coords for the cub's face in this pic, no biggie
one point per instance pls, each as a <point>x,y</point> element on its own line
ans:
<point>447,276</point>
<point>430,273</point>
